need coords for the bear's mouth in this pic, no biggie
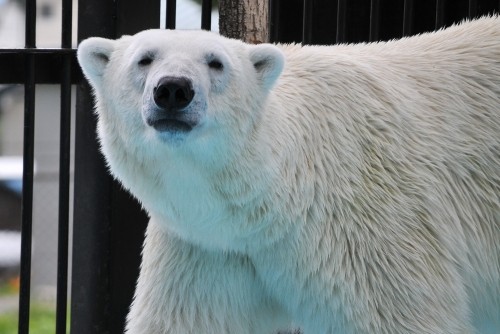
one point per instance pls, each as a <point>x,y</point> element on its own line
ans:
<point>171,125</point>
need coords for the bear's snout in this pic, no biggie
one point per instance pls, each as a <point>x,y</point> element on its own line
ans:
<point>173,93</point>
<point>173,112</point>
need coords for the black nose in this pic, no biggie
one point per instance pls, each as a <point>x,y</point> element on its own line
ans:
<point>173,93</point>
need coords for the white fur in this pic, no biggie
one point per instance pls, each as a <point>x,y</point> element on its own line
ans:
<point>342,189</point>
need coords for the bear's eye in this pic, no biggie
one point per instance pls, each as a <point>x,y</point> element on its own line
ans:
<point>215,64</point>
<point>145,61</point>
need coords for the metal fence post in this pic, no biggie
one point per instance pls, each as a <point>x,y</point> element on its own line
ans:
<point>108,223</point>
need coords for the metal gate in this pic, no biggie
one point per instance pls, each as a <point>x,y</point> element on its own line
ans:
<point>108,224</point>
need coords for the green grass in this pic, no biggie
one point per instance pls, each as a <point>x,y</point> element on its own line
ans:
<point>42,316</point>
<point>42,321</point>
<point>8,323</point>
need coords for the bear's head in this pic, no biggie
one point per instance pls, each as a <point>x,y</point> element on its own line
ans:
<point>177,110</point>
<point>189,91</point>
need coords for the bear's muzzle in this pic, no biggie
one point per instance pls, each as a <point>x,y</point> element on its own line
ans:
<point>172,96</point>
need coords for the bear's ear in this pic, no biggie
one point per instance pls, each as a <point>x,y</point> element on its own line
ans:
<point>93,55</point>
<point>268,61</point>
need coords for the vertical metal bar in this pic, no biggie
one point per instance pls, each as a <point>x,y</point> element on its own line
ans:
<point>408,17</point>
<point>67,24</point>
<point>374,20</point>
<point>170,15</point>
<point>274,21</point>
<point>108,230</point>
<point>89,285</point>
<point>90,295</point>
<point>341,21</point>
<point>64,171</point>
<point>206,14</point>
<point>307,22</point>
<point>30,33</point>
<point>472,8</point>
<point>27,195</point>
<point>439,14</point>
<point>28,162</point>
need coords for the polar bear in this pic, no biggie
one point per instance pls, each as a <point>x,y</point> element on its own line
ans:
<point>335,189</point>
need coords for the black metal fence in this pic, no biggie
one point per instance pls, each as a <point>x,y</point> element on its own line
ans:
<point>108,224</point>
<point>352,21</point>
<point>31,66</point>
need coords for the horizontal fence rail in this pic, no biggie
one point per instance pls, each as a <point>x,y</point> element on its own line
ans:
<point>47,71</point>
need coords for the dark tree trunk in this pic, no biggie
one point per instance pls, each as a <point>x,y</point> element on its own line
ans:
<point>246,20</point>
